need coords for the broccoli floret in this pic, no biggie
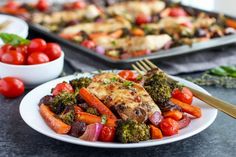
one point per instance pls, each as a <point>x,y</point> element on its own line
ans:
<point>130,131</point>
<point>158,87</point>
<point>62,100</point>
<point>93,111</point>
<point>68,117</point>
<point>81,82</point>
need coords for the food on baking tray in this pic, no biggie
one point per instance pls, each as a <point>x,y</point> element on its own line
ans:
<point>125,29</point>
<point>109,107</point>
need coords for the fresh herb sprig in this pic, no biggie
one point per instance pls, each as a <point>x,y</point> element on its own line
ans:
<point>13,39</point>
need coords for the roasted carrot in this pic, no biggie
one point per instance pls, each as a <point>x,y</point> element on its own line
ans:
<point>138,32</point>
<point>230,23</point>
<point>140,53</point>
<point>77,109</point>
<point>93,101</point>
<point>94,36</point>
<point>193,110</point>
<point>56,124</point>
<point>67,36</point>
<point>91,119</point>
<point>175,114</point>
<point>155,132</point>
<point>13,11</point>
<point>116,34</point>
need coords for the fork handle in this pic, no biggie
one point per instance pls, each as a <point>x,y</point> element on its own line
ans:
<point>221,105</point>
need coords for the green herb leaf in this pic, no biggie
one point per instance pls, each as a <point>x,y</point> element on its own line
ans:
<point>218,71</point>
<point>128,84</point>
<point>103,119</point>
<point>229,69</point>
<point>113,43</point>
<point>13,39</point>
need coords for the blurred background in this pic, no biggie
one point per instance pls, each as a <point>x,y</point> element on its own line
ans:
<point>224,6</point>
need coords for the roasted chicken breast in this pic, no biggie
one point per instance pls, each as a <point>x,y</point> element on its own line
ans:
<point>90,12</point>
<point>128,99</point>
<point>134,8</point>
<point>132,44</point>
<point>107,26</point>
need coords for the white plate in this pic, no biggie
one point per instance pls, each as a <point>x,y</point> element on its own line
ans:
<point>29,111</point>
<point>16,26</point>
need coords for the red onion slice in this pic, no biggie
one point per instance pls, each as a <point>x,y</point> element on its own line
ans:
<point>92,132</point>
<point>184,122</point>
<point>156,118</point>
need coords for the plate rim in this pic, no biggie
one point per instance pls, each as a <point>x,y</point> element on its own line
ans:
<point>114,145</point>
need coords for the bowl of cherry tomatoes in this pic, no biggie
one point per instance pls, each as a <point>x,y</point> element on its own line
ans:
<point>33,61</point>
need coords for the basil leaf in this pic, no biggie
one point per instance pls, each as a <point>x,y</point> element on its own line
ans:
<point>218,71</point>
<point>229,69</point>
<point>13,39</point>
<point>233,74</point>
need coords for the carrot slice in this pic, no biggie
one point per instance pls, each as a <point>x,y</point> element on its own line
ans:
<point>78,109</point>
<point>13,11</point>
<point>91,119</point>
<point>56,124</point>
<point>155,132</point>
<point>67,36</point>
<point>116,34</point>
<point>138,32</point>
<point>193,110</point>
<point>93,101</point>
<point>230,23</point>
<point>94,36</point>
<point>175,114</point>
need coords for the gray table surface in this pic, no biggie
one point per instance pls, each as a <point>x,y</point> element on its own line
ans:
<point>18,139</point>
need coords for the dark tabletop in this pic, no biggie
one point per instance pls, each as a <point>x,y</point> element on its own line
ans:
<point>18,139</point>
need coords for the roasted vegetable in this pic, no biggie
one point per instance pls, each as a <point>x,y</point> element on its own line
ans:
<point>158,87</point>
<point>93,101</point>
<point>54,123</point>
<point>93,111</point>
<point>61,101</point>
<point>77,129</point>
<point>68,117</point>
<point>130,131</point>
<point>81,82</point>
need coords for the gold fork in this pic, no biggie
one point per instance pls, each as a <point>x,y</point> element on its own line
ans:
<point>145,65</point>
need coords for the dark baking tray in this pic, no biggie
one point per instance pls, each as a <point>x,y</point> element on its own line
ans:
<point>180,50</point>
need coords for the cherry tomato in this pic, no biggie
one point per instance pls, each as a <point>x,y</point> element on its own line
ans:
<point>42,5</point>
<point>12,4</point>
<point>79,4</point>
<point>128,75</point>
<point>53,51</point>
<point>88,44</point>
<point>184,95</point>
<point>37,45</point>
<point>142,19</point>
<point>107,134</point>
<point>62,87</point>
<point>177,12</point>
<point>11,87</point>
<point>22,49</point>
<point>169,126</point>
<point>13,57</point>
<point>37,58</point>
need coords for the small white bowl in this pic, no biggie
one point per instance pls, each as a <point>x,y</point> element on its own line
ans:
<point>33,75</point>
